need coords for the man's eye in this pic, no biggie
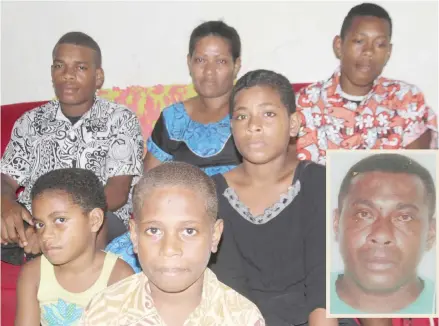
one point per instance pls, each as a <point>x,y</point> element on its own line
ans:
<point>190,232</point>
<point>364,215</point>
<point>404,218</point>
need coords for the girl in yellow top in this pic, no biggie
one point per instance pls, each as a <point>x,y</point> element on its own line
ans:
<point>68,208</point>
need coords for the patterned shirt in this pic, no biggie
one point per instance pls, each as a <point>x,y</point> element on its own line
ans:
<point>107,140</point>
<point>129,302</point>
<point>391,116</point>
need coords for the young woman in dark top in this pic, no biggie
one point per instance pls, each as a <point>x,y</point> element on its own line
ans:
<point>273,206</point>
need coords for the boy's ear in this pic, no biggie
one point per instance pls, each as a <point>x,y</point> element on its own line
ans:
<point>96,218</point>
<point>389,54</point>
<point>188,62</point>
<point>133,235</point>
<point>100,78</point>
<point>217,232</point>
<point>336,47</point>
<point>431,235</point>
<point>295,123</point>
<point>236,67</point>
<point>336,224</point>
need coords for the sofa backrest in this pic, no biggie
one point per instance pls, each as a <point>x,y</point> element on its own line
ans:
<point>146,102</point>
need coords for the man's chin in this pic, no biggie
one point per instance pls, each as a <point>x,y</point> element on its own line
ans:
<point>70,101</point>
<point>379,285</point>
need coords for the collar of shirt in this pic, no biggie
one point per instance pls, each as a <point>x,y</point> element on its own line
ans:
<point>61,116</point>
<point>332,87</point>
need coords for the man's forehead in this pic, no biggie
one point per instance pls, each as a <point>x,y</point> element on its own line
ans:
<point>361,21</point>
<point>402,184</point>
<point>67,49</point>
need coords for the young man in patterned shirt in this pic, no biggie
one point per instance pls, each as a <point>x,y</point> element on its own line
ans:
<point>77,129</point>
<point>357,108</point>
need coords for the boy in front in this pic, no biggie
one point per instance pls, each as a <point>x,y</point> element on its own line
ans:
<point>174,231</point>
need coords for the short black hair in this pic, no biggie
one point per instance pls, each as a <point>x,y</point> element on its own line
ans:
<point>81,39</point>
<point>83,186</point>
<point>362,10</point>
<point>391,163</point>
<point>267,78</point>
<point>216,28</point>
<point>176,174</point>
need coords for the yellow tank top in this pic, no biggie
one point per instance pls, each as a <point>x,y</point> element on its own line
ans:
<point>61,307</point>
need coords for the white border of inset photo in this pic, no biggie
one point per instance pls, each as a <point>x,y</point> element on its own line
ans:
<point>335,172</point>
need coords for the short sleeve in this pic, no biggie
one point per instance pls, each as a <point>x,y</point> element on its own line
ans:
<point>307,147</point>
<point>16,160</point>
<point>125,155</point>
<point>314,236</point>
<point>159,143</point>
<point>303,108</point>
<point>417,117</point>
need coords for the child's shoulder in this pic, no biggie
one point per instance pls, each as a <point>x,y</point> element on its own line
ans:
<point>118,292</point>
<point>231,300</point>
<point>240,309</point>
<point>121,269</point>
<point>123,286</point>
<point>310,169</point>
<point>113,267</point>
<point>231,296</point>
<point>110,302</point>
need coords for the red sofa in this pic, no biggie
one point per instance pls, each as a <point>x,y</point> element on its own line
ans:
<point>9,273</point>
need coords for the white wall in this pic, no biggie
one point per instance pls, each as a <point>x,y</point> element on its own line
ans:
<point>145,43</point>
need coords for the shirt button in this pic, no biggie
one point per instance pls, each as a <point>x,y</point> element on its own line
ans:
<point>72,136</point>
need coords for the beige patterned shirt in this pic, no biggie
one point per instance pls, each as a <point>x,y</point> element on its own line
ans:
<point>129,303</point>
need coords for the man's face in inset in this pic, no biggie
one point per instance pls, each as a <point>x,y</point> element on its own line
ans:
<point>383,228</point>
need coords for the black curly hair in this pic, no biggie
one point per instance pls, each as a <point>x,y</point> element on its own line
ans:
<point>83,186</point>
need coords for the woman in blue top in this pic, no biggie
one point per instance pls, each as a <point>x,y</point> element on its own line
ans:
<point>197,131</point>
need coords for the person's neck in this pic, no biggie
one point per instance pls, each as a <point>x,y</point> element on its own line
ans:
<point>354,90</point>
<point>378,302</point>
<point>80,264</point>
<point>76,110</point>
<point>180,304</point>
<point>218,104</point>
<point>270,172</point>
